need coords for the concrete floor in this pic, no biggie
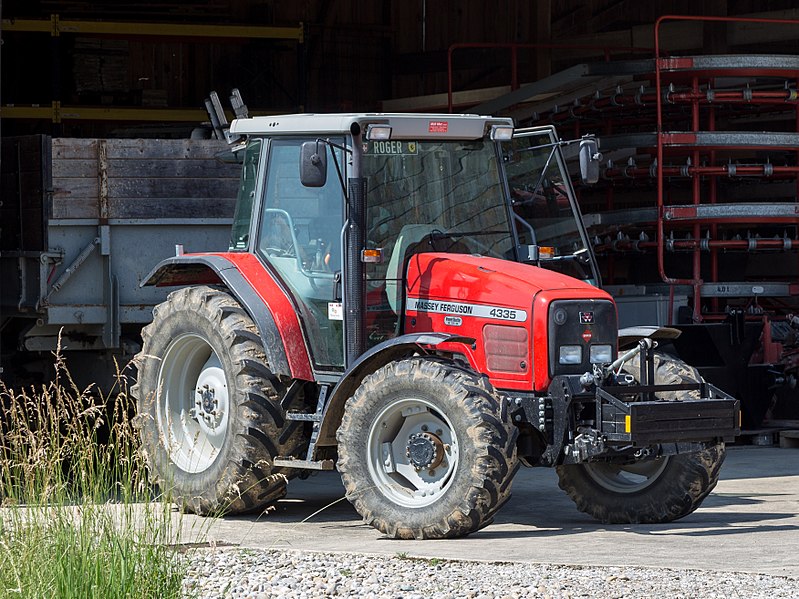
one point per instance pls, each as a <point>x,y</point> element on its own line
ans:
<point>750,523</point>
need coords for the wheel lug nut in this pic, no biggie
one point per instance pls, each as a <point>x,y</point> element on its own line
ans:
<point>424,428</point>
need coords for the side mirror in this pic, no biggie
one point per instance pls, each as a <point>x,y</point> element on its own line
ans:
<point>589,161</point>
<point>313,164</point>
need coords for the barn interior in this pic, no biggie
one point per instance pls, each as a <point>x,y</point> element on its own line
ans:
<point>694,218</point>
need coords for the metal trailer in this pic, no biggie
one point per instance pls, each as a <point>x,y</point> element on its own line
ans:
<point>695,219</point>
<point>81,223</point>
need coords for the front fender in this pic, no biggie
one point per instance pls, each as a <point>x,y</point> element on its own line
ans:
<point>212,269</point>
<point>629,336</point>
<point>378,356</point>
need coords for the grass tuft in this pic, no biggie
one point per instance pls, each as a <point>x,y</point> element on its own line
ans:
<point>77,516</point>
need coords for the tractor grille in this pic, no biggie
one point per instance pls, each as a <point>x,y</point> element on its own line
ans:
<point>580,324</point>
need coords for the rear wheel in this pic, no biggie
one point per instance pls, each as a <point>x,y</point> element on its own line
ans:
<point>426,450</point>
<point>208,406</point>
<point>647,491</point>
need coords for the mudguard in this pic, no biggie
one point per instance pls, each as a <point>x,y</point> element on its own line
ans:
<point>629,336</point>
<point>281,337</point>
<point>378,356</point>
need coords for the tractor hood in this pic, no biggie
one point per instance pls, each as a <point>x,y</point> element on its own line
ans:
<point>504,307</point>
<point>490,281</point>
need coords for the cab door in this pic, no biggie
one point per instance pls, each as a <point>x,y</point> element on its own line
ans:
<point>299,237</point>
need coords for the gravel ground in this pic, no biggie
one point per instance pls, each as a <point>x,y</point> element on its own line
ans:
<point>237,573</point>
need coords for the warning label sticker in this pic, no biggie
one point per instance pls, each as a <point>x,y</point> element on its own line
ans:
<point>438,127</point>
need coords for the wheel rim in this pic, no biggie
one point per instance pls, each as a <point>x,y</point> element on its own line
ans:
<point>413,453</point>
<point>627,478</point>
<point>193,406</point>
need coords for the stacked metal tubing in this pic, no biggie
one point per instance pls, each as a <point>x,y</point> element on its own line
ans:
<point>683,99</point>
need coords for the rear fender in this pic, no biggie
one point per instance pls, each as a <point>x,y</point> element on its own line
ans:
<point>397,348</point>
<point>210,269</point>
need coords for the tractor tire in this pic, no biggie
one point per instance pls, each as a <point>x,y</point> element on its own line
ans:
<point>208,406</point>
<point>426,450</point>
<point>650,491</point>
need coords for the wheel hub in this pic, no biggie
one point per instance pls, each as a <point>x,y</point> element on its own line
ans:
<point>425,450</point>
<point>206,406</point>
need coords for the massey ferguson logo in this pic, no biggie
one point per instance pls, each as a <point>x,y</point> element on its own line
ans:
<point>586,318</point>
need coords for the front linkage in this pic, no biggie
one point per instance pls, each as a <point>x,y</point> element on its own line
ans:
<point>607,413</point>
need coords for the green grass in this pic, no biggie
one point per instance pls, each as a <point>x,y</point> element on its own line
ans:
<point>77,515</point>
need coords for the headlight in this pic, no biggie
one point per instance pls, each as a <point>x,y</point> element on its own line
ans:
<point>601,354</point>
<point>570,354</point>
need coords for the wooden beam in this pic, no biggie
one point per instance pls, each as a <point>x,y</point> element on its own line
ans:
<point>438,102</point>
<point>57,26</point>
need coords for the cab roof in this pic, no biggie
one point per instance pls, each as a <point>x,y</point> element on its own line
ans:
<point>404,126</point>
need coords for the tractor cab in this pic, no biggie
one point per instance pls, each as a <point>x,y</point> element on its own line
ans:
<point>313,206</point>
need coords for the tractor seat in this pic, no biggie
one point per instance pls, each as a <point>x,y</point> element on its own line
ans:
<point>415,239</point>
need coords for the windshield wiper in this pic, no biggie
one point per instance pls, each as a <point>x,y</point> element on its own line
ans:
<point>582,255</point>
<point>441,234</point>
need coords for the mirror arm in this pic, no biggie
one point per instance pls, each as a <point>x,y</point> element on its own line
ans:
<point>336,164</point>
<point>344,149</point>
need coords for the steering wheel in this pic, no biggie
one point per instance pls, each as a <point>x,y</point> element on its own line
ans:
<point>279,239</point>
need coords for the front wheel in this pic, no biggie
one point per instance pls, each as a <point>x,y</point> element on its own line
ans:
<point>647,491</point>
<point>426,450</point>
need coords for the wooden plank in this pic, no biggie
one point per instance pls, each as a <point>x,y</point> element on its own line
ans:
<point>439,101</point>
<point>66,148</point>
<point>167,188</point>
<point>162,148</point>
<point>72,187</point>
<point>143,158</point>
<point>188,168</point>
<point>75,207</point>
<point>219,207</point>
<point>77,168</point>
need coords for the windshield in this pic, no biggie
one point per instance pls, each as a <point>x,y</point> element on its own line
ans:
<point>423,196</point>
<point>541,197</point>
<point>446,194</point>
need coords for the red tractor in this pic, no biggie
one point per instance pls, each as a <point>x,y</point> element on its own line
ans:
<point>387,308</point>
